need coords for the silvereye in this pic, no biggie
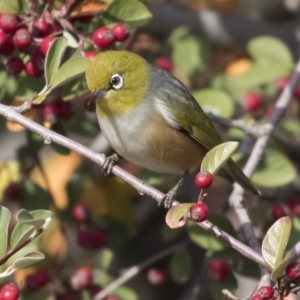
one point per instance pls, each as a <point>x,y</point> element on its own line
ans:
<point>150,118</point>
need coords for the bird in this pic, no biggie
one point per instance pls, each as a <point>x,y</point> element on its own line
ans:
<point>151,119</point>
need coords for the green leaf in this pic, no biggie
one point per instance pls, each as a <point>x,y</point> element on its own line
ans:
<point>35,197</point>
<point>4,222</point>
<point>72,68</point>
<point>41,214</point>
<point>10,6</point>
<point>279,270</point>
<point>39,99</point>
<point>275,242</point>
<point>53,58</point>
<point>207,240</point>
<point>23,215</point>
<point>177,215</point>
<point>59,128</point>
<point>105,257</point>
<point>28,259</point>
<point>275,165</point>
<point>215,101</point>
<point>180,266</point>
<point>218,156</point>
<point>267,49</point>
<point>125,293</point>
<point>168,234</point>
<point>189,55</point>
<point>290,126</point>
<point>132,12</point>
<point>20,233</point>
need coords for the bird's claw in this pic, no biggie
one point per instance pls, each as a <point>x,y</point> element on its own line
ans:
<point>168,199</point>
<point>109,163</point>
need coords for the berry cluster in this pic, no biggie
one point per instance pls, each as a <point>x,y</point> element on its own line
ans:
<point>105,37</point>
<point>292,208</point>
<point>264,293</point>
<point>26,43</point>
<point>88,236</point>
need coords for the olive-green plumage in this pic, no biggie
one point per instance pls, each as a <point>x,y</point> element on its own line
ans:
<point>150,118</point>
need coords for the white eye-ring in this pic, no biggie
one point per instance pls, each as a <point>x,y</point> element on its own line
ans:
<point>116,81</point>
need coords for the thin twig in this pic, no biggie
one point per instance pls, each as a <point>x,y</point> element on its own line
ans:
<point>236,197</point>
<point>133,271</point>
<point>142,188</point>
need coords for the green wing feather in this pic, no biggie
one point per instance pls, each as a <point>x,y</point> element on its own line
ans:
<point>188,116</point>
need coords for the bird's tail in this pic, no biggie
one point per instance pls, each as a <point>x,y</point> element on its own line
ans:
<point>233,170</point>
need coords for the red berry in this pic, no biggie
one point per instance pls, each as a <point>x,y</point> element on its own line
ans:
<point>100,237</point>
<point>92,238</point>
<point>157,276</point>
<point>15,65</point>
<point>38,61</point>
<point>83,19</point>
<point>46,43</point>
<point>218,270</point>
<point>13,192</point>
<point>36,281</point>
<point>80,213</point>
<point>9,291</point>
<point>121,32</point>
<point>256,297</point>
<point>292,271</point>
<point>95,289</point>
<point>33,49</point>
<point>6,45</point>
<point>280,210</point>
<point>282,82</point>
<point>253,102</point>
<point>41,28</point>
<point>269,112</point>
<point>8,22</point>
<point>203,180</point>
<point>103,37</point>
<point>266,292</point>
<point>90,54</point>
<point>164,63</point>
<point>58,110</point>
<point>297,93</point>
<point>31,70</point>
<point>81,279</point>
<point>294,205</point>
<point>199,212</point>
<point>22,39</point>
<point>85,238</point>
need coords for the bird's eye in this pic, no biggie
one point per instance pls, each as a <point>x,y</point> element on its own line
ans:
<point>116,81</point>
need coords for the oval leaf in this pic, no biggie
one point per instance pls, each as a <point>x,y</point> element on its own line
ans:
<point>53,58</point>
<point>23,215</point>
<point>215,101</point>
<point>278,271</point>
<point>69,70</point>
<point>4,222</point>
<point>27,260</point>
<point>273,165</point>
<point>177,215</point>
<point>132,12</point>
<point>268,49</point>
<point>275,242</point>
<point>20,233</point>
<point>41,214</point>
<point>218,156</point>
<point>180,266</point>
<point>10,6</point>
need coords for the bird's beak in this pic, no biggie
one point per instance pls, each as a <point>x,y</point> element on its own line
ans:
<point>97,94</point>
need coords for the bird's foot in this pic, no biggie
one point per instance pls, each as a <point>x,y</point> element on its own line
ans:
<point>168,199</point>
<point>109,163</point>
